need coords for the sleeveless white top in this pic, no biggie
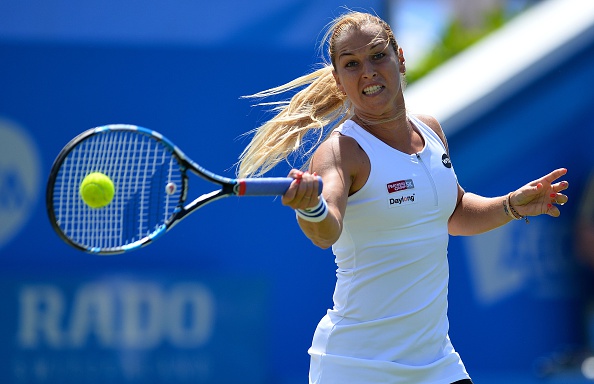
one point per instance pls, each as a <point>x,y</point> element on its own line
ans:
<point>389,321</point>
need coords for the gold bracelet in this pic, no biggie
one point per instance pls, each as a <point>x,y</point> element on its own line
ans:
<point>506,209</point>
<point>515,214</point>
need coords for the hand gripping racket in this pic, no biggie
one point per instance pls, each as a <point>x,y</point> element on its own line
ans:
<point>150,177</point>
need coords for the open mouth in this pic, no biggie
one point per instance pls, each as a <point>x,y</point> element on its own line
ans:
<point>373,89</point>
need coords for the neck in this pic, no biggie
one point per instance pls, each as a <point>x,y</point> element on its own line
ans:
<point>396,132</point>
<point>398,121</point>
<point>377,121</point>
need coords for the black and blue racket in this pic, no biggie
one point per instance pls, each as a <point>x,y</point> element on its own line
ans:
<point>149,186</point>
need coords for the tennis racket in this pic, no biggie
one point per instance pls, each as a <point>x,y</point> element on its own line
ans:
<point>150,176</point>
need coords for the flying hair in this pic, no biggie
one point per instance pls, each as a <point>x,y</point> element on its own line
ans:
<point>311,113</point>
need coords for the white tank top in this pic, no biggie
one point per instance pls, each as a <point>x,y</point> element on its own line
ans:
<point>389,321</point>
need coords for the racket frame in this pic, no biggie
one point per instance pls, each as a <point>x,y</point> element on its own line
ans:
<point>272,186</point>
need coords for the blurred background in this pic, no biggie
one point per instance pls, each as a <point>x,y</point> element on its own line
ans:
<point>233,294</point>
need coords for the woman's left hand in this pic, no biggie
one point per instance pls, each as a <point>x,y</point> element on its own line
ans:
<point>541,196</point>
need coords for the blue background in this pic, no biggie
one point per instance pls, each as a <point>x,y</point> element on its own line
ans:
<point>517,294</point>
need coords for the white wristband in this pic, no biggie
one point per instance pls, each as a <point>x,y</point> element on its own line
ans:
<point>314,214</point>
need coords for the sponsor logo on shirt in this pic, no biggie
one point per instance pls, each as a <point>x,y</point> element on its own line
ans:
<point>401,200</point>
<point>445,160</point>
<point>400,185</point>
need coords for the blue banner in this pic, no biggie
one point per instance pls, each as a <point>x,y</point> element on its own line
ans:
<point>234,292</point>
<point>128,328</point>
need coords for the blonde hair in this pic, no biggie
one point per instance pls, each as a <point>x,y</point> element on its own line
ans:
<point>309,112</point>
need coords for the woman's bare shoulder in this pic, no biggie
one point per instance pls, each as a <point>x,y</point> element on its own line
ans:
<point>432,123</point>
<point>341,147</point>
<point>343,156</point>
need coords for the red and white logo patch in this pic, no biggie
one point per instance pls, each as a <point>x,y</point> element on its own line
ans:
<point>400,185</point>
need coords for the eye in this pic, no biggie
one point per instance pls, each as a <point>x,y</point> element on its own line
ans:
<point>379,55</point>
<point>350,64</point>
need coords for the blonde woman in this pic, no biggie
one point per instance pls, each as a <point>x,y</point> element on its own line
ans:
<point>390,200</point>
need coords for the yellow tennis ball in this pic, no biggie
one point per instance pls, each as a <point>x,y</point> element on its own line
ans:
<point>97,190</point>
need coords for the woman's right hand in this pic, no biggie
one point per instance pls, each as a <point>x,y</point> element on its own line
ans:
<point>303,192</point>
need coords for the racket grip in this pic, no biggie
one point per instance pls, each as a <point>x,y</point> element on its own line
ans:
<point>267,186</point>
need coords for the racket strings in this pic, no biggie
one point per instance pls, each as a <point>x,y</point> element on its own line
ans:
<point>140,168</point>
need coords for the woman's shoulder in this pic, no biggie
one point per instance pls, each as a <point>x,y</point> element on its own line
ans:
<point>434,124</point>
<point>428,120</point>
<point>339,148</point>
<point>338,140</point>
<point>343,154</point>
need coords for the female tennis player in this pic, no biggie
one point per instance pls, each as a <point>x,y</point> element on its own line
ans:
<point>390,200</point>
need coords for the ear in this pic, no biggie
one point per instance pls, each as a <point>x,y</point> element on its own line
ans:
<point>401,60</point>
<point>337,80</point>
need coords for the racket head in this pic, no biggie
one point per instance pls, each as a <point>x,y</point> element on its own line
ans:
<point>150,181</point>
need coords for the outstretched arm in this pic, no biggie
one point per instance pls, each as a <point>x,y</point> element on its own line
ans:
<point>475,214</point>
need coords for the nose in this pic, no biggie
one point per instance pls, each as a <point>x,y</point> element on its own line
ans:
<point>369,70</point>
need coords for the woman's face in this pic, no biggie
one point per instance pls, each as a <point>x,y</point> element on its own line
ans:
<point>368,70</point>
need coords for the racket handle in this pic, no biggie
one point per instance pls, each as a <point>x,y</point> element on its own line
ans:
<point>267,186</point>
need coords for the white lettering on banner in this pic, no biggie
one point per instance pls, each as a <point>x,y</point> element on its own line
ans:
<point>92,313</point>
<point>494,277</point>
<point>185,298</point>
<point>20,177</point>
<point>512,259</point>
<point>143,308</point>
<point>126,315</point>
<point>41,309</point>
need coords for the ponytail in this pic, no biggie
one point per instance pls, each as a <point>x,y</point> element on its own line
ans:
<point>311,110</point>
